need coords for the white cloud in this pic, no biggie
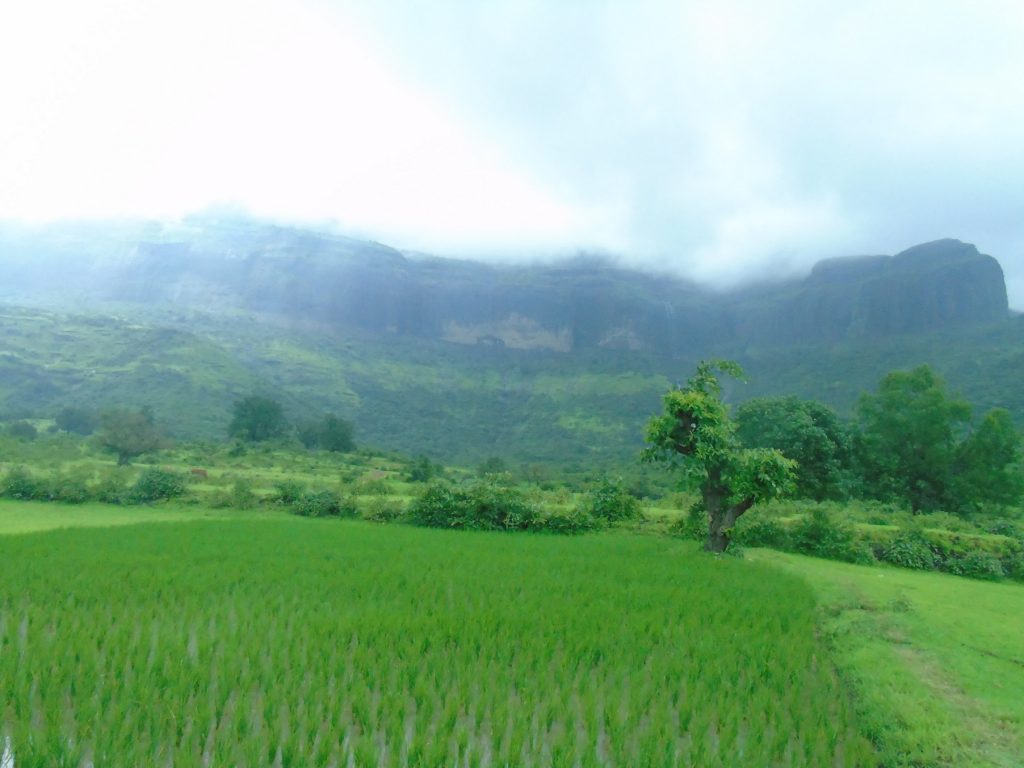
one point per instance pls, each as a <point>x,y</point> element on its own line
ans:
<point>161,108</point>
<point>720,139</point>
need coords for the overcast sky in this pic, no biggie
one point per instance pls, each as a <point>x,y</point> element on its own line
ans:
<point>721,139</point>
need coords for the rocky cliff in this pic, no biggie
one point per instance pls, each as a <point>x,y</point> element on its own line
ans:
<point>302,276</point>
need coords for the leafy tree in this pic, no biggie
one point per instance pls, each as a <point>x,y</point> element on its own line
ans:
<point>77,420</point>
<point>987,464</point>
<point>908,438</point>
<point>806,431</point>
<point>129,433</point>
<point>256,419</point>
<point>330,434</point>
<point>696,432</point>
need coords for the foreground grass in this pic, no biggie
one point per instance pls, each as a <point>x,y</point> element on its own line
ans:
<point>936,661</point>
<point>296,642</point>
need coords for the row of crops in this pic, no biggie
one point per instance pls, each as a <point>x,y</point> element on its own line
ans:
<point>306,643</point>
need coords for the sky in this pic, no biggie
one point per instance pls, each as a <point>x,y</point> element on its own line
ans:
<point>724,141</point>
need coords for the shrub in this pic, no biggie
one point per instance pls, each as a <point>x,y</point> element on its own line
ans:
<point>1013,565</point>
<point>241,495</point>
<point>977,565</point>
<point>19,483</point>
<point>324,503</point>
<point>155,484</point>
<point>111,488</point>
<point>909,549</point>
<point>821,535</point>
<point>694,524</point>
<point>757,531</point>
<point>317,504</point>
<point>287,492</point>
<point>1001,526</point>
<point>611,501</point>
<point>567,521</point>
<point>481,506</point>
<point>383,510</point>
<point>68,489</point>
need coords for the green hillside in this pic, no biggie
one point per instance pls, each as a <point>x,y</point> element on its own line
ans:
<point>451,401</point>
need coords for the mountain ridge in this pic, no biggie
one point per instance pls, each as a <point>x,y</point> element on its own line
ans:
<point>581,303</point>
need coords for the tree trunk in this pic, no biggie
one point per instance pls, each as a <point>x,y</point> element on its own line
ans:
<point>722,515</point>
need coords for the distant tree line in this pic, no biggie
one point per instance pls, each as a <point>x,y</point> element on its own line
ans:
<point>257,418</point>
<point>911,441</point>
<point>129,433</point>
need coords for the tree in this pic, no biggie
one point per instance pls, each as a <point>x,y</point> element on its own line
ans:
<point>129,434</point>
<point>695,431</point>
<point>806,431</point>
<point>330,434</point>
<point>987,464</point>
<point>80,421</point>
<point>256,418</point>
<point>907,442</point>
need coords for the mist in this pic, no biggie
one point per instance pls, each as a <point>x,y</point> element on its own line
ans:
<point>723,143</point>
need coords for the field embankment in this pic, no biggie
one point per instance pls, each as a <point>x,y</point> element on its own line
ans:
<point>936,662</point>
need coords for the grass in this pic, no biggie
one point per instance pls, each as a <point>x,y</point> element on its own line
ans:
<point>32,517</point>
<point>295,642</point>
<point>936,661</point>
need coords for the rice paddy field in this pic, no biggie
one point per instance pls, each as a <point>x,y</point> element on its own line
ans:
<point>292,642</point>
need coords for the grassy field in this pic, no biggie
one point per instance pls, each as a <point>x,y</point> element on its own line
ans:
<point>31,517</point>
<point>936,662</point>
<point>297,642</point>
<point>606,649</point>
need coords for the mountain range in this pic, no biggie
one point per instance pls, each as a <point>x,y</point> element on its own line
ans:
<point>539,362</point>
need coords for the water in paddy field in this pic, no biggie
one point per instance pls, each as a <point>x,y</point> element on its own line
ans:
<point>6,755</point>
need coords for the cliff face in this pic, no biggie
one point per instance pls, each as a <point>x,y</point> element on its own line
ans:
<point>929,287</point>
<point>308,277</point>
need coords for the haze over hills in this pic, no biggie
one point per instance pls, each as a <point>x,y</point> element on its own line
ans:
<point>577,304</point>
<point>455,357</point>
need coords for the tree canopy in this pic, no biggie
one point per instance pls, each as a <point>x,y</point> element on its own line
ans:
<point>256,419</point>
<point>908,437</point>
<point>916,444</point>
<point>987,465</point>
<point>129,433</point>
<point>806,431</point>
<point>696,433</point>
<point>331,433</point>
